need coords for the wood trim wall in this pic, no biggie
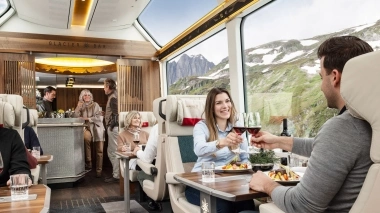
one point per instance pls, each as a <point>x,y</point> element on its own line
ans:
<point>67,98</point>
<point>138,84</point>
<point>25,42</point>
<point>17,77</point>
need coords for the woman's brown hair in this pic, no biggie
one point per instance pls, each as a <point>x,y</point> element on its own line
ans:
<point>210,115</point>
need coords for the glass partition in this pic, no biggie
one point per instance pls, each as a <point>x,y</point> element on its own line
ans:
<point>4,6</point>
<point>281,65</point>
<point>163,25</point>
<point>200,68</point>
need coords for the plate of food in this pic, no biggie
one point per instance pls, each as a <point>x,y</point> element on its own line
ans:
<point>281,175</point>
<point>234,167</point>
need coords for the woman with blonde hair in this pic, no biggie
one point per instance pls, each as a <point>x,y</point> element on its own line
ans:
<point>214,140</point>
<point>94,130</point>
<point>132,123</point>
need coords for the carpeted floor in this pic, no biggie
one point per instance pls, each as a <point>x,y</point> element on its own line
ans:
<point>98,204</point>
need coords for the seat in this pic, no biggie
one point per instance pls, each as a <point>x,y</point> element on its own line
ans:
<point>360,90</point>
<point>32,122</point>
<point>147,118</point>
<point>16,102</point>
<point>157,189</point>
<point>179,148</point>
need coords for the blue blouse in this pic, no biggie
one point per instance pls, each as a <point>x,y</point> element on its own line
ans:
<point>207,151</point>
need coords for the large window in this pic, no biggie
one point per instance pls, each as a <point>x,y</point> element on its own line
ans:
<point>4,6</point>
<point>281,64</point>
<point>164,20</point>
<point>197,70</point>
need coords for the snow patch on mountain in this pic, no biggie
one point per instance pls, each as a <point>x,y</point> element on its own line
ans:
<point>292,55</point>
<point>308,42</point>
<point>312,70</point>
<point>359,28</point>
<point>260,51</point>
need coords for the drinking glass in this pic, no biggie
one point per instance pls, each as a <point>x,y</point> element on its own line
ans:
<point>127,147</point>
<point>19,187</point>
<point>36,152</point>
<point>254,123</point>
<point>208,172</point>
<point>136,138</point>
<point>1,163</point>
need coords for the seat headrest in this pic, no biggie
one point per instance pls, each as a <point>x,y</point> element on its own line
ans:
<point>360,90</point>
<point>147,119</point>
<point>159,111</point>
<point>17,103</point>
<point>180,108</point>
<point>7,115</point>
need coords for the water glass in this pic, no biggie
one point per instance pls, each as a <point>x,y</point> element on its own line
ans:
<point>127,147</point>
<point>208,172</point>
<point>19,187</point>
<point>36,152</point>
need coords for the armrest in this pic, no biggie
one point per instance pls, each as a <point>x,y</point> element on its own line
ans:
<point>269,208</point>
<point>169,177</point>
<point>148,168</point>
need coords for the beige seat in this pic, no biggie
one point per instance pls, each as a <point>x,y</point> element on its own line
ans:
<point>157,189</point>
<point>32,122</point>
<point>145,117</point>
<point>16,102</point>
<point>179,149</point>
<point>360,89</point>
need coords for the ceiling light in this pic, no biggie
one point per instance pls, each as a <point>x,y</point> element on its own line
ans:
<point>73,62</point>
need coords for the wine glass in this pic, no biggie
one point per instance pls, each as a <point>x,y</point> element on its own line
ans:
<point>136,138</point>
<point>1,163</point>
<point>253,124</point>
<point>240,129</point>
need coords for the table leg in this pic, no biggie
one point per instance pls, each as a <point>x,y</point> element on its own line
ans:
<point>126,185</point>
<point>208,203</point>
<point>43,173</point>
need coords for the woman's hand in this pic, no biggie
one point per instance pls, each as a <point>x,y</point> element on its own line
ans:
<point>232,139</point>
<point>80,104</point>
<point>265,140</point>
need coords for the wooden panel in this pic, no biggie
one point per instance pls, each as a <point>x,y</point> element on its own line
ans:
<point>17,76</point>
<point>75,45</point>
<point>68,98</point>
<point>138,84</point>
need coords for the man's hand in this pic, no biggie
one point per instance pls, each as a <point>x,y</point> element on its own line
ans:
<point>137,148</point>
<point>265,140</point>
<point>262,183</point>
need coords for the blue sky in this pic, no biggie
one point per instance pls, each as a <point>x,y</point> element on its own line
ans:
<point>280,20</point>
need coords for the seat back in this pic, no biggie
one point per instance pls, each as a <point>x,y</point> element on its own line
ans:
<point>12,118</point>
<point>33,118</point>
<point>157,189</point>
<point>179,145</point>
<point>360,89</point>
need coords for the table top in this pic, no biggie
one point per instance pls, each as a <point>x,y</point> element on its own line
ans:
<point>41,204</point>
<point>227,186</point>
<point>126,155</point>
<point>44,159</point>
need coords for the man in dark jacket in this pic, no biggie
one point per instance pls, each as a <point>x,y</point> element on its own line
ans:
<point>47,102</point>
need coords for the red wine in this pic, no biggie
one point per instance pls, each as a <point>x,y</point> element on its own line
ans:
<point>253,130</point>
<point>136,142</point>
<point>1,170</point>
<point>239,130</point>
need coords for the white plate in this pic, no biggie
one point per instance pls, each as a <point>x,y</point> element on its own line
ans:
<point>289,181</point>
<point>233,170</point>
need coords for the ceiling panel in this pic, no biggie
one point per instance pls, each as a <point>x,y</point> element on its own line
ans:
<point>51,13</point>
<point>115,14</point>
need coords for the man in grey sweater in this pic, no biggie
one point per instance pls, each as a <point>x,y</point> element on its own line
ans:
<point>339,154</point>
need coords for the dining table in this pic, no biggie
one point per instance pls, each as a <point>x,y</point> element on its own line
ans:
<point>125,157</point>
<point>40,204</point>
<point>42,161</point>
<point>228,185</point>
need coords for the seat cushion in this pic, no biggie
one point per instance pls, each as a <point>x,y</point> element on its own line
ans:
<point>184,203</point>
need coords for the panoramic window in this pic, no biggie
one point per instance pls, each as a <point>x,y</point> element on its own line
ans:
<point>163,26</point>
<point>4,6</point>
<point>200,68</point>
<point>281,65</point>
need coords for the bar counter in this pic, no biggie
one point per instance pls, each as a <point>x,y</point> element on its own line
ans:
<point>63,138</point>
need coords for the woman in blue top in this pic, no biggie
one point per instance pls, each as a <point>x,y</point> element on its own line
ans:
<point>214,140</point>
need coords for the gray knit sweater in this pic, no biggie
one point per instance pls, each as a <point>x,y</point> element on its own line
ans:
<point>338,164</point>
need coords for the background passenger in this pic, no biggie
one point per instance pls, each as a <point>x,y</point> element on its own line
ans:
<point>213,142</point>
<point>94,130</point>
<point>339,153</point>
<point>46,105</point>
<point>14,156</point>
<point>132,123</point>
<point>31,139</point>
<point>112,124</point>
